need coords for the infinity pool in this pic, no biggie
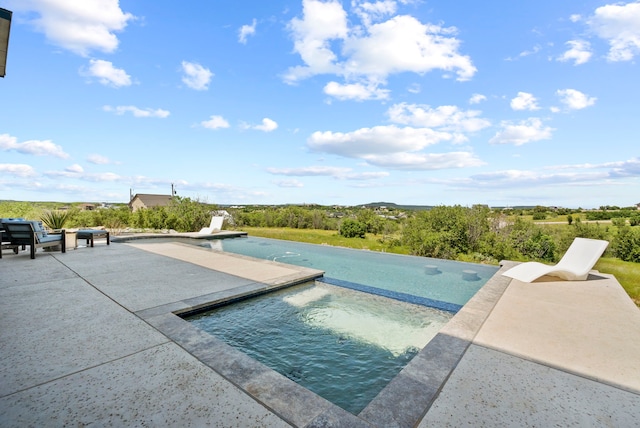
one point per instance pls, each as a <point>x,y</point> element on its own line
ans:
<point>442,284</point>
<point>346,335</point>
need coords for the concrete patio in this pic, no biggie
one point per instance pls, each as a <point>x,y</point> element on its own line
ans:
<point>91,337</point>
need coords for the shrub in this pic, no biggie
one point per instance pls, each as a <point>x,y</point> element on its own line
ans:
<point>539,216</point>
<point>626,244</point>
<point>55,219</point>
<point>352,229</point>
<point>618,222</point>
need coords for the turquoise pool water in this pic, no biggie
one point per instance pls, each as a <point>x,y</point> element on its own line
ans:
<point>438,283</point>
<point>342,344</point>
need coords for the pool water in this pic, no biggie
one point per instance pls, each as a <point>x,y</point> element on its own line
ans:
<point>342,344</point>
<point>443,284</point>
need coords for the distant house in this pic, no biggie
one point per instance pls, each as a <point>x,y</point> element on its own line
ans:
<point>142,200</point>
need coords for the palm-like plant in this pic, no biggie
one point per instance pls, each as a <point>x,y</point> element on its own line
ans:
<point>55,219</point>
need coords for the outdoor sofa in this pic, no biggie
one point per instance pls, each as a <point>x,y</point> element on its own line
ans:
<point>20,233</point>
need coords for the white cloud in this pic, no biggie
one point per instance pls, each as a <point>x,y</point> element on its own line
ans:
<point>215,122</point>
<point>268,125</point>
<point>32,147</point>
<point>311,171</point>
<point>328,171</point>
<point>414,88</point>
<point>196,76</point>
<point>575,18</point>
<point>355,91</point>
<point>365,55</point>
<point>289,183</point>
<point>107,74</point>
<point>137,112</point>
<point>526,53</point>
<point>447,118</point>
<point>79,26</point>
<point>376,140</point>
<point>404,44</point>
<point>392,147</point>
<point>98,159</point>
<point>425,161</point>
<point>321,23</point>
<point>246,31</point>
<point>521,133</point>
<point>575,100</point>
<point>374,11</point>
<point>579,52</point>
<point>524,101</point>
<point>477,99</point>
<point>75,168</point>
<point>619,25</point>
<point>17,170</point>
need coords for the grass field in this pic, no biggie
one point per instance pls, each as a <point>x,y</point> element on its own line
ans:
<point>627,273</point>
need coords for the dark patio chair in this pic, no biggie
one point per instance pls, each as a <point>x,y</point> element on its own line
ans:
<point>31,233</point>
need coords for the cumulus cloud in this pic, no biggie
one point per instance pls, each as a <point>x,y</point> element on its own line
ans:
<point>106,73</point>
<point>446,118</point>
<point>524,101</point>
<point>32,147</point>
<point>522,132</point>
<point>477,99</point>
<point>392,147</point>
<point>619,25</point>
<point>356,91</point>
<point>376,140</point>
<point>575,100</point>
<point>579,52</point>
<point>267,125</point>
<point>370,52</point>
<point>137,112</point>
<point>17,170</point>
<point>196,76</point>
<point>215,122</point>
<point>246,31</point>
<point>75,168</point>
<point>78,26</point>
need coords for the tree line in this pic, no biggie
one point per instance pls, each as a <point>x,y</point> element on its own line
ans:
<point>451,232</point>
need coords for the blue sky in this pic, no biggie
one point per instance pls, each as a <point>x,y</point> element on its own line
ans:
<point>332,102</point>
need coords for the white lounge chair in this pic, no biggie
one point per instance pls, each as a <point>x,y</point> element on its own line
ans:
<point>575,265</point>
<point>215,226</point>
